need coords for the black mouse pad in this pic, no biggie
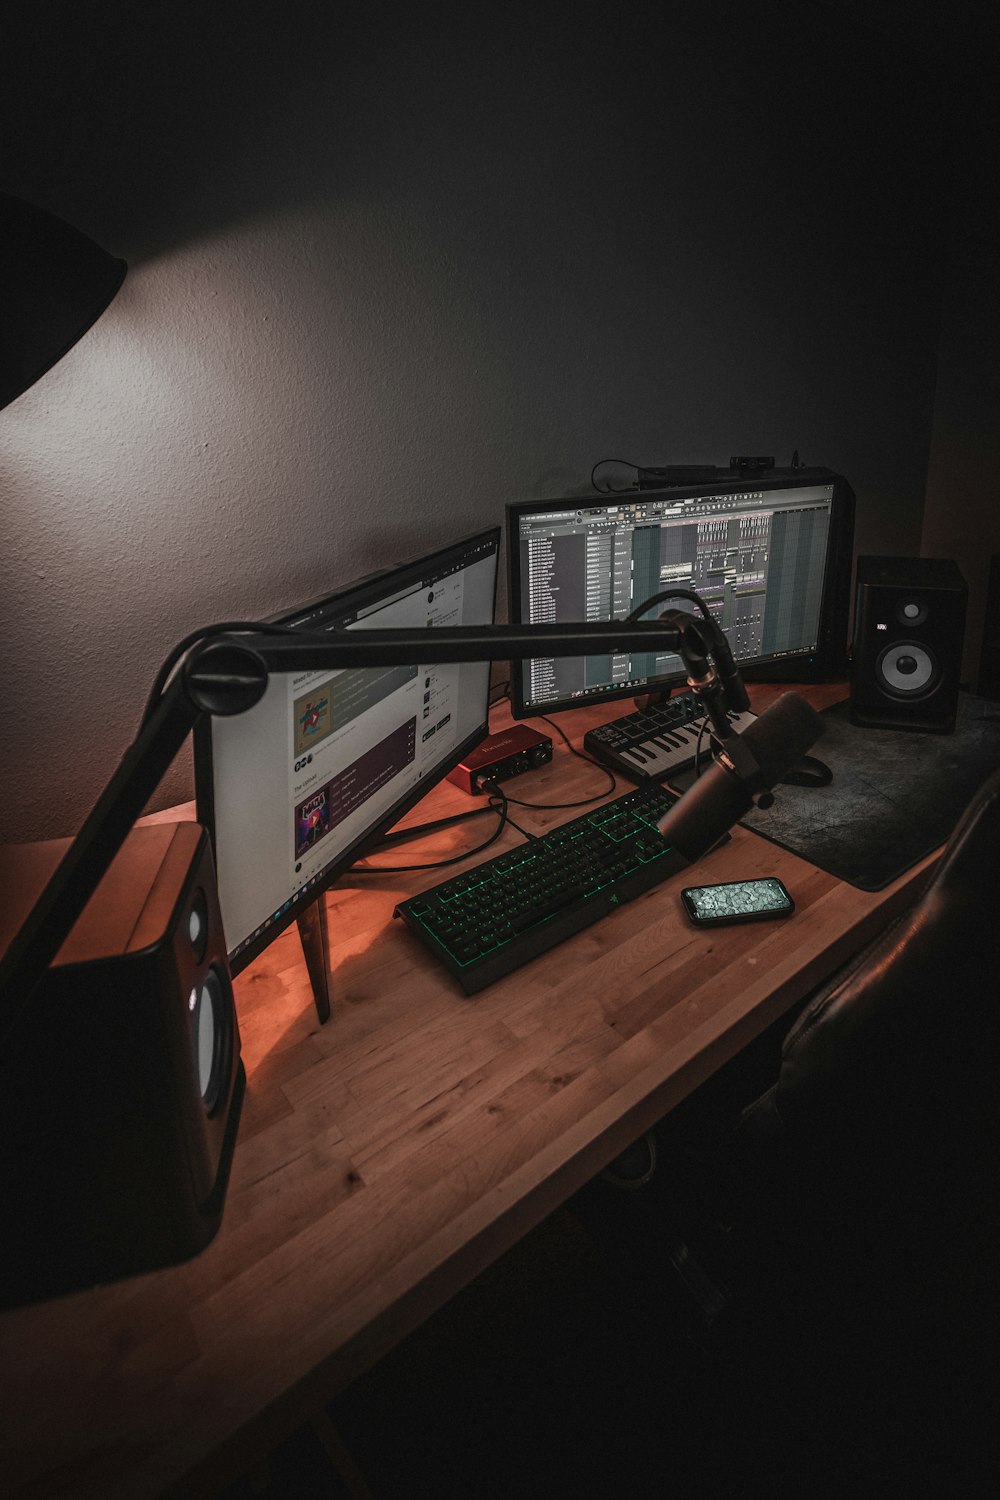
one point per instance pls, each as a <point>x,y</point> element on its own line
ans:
<point>895,795</point>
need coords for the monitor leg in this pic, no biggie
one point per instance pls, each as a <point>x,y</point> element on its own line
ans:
<point>316,947</point>
<point>653,700</point>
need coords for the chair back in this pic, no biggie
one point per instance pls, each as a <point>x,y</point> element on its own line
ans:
<point>903,1044</point>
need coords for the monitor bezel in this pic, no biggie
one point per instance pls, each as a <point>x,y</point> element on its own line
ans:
<point>828,660</point>
<point>355,594</point>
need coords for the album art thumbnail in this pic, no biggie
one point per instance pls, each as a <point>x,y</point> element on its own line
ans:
<point>313,719</point>
<point>312,821</point>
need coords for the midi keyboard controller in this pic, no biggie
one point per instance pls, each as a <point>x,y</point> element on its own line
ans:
<point>657,742</point>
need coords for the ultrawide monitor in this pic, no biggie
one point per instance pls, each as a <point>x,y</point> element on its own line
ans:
<point>306,782</point>
<point>771,557</point>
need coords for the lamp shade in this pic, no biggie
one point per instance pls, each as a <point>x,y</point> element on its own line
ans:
<point>54,283</point>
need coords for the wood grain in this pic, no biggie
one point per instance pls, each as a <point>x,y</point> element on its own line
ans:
<point>388,1156</point>
<point>131,907</point>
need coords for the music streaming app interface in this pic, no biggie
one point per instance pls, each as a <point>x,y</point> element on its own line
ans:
<point>327,754</point>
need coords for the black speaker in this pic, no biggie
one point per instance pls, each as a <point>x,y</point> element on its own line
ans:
<point>121,1081</point>
<point>988,684</point>
<point>909,628</point>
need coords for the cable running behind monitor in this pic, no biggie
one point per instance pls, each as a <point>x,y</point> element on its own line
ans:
<point>771,556</point>
<point>298,788</point>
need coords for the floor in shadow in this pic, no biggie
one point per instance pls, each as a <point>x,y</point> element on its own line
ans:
<point>574,1367</point>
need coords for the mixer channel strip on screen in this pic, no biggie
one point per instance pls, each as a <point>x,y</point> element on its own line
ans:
<point>494,918</point>
<point>658,741</point>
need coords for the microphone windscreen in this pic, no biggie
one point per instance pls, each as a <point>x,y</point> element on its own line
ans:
<point>781,736</point>
<point>720,797</point>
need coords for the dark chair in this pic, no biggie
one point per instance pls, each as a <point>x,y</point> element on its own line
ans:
<point>843,1215</point>
<point>876,1143</point>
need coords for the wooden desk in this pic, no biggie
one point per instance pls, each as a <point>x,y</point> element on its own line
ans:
<point>387,1157</point>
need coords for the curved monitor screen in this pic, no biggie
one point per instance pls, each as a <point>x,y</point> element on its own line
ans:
<point>300,786</point>
<point>770,557</point>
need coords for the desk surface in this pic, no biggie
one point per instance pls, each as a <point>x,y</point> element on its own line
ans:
<point>385,1158</point>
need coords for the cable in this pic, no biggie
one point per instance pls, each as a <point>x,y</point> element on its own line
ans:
<point>417,830</point>
<point>610,489</point>
<point>498,802</point>
<point>497,795</point>
<point>533,838</point>
<point>580,755</point>
<point>456,859</point>
<point>224,627</point>
<point>647,604</point>
<point>698,746</point>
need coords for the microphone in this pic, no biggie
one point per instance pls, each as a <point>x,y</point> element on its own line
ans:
<point>745,770</point>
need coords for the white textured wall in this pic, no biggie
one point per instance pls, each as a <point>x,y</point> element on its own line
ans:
<point>387,275</point>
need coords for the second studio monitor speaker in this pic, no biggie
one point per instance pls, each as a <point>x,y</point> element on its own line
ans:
<point>909,629</point>
<point>120,1077</point>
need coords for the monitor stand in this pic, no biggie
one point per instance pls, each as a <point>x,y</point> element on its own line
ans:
<point>314,936</point>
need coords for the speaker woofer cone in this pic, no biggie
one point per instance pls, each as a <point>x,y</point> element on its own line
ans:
<point>907,670</point>
<point>211,1034</point>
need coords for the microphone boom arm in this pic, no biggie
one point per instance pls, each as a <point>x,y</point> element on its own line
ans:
<point>227,674</point>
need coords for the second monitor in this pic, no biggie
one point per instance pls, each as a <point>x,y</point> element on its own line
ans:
<point>771,557</point>
<point>306,782</point>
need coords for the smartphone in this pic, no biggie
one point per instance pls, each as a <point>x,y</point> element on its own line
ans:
<point>737,901</point>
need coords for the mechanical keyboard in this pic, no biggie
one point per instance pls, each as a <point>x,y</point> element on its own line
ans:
<point>491,920</point>
<point>656,742</point>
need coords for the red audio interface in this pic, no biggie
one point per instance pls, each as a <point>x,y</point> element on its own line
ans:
<point>501,756</point>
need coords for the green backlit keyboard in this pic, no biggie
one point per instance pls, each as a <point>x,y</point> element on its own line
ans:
<point>491,920</point>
